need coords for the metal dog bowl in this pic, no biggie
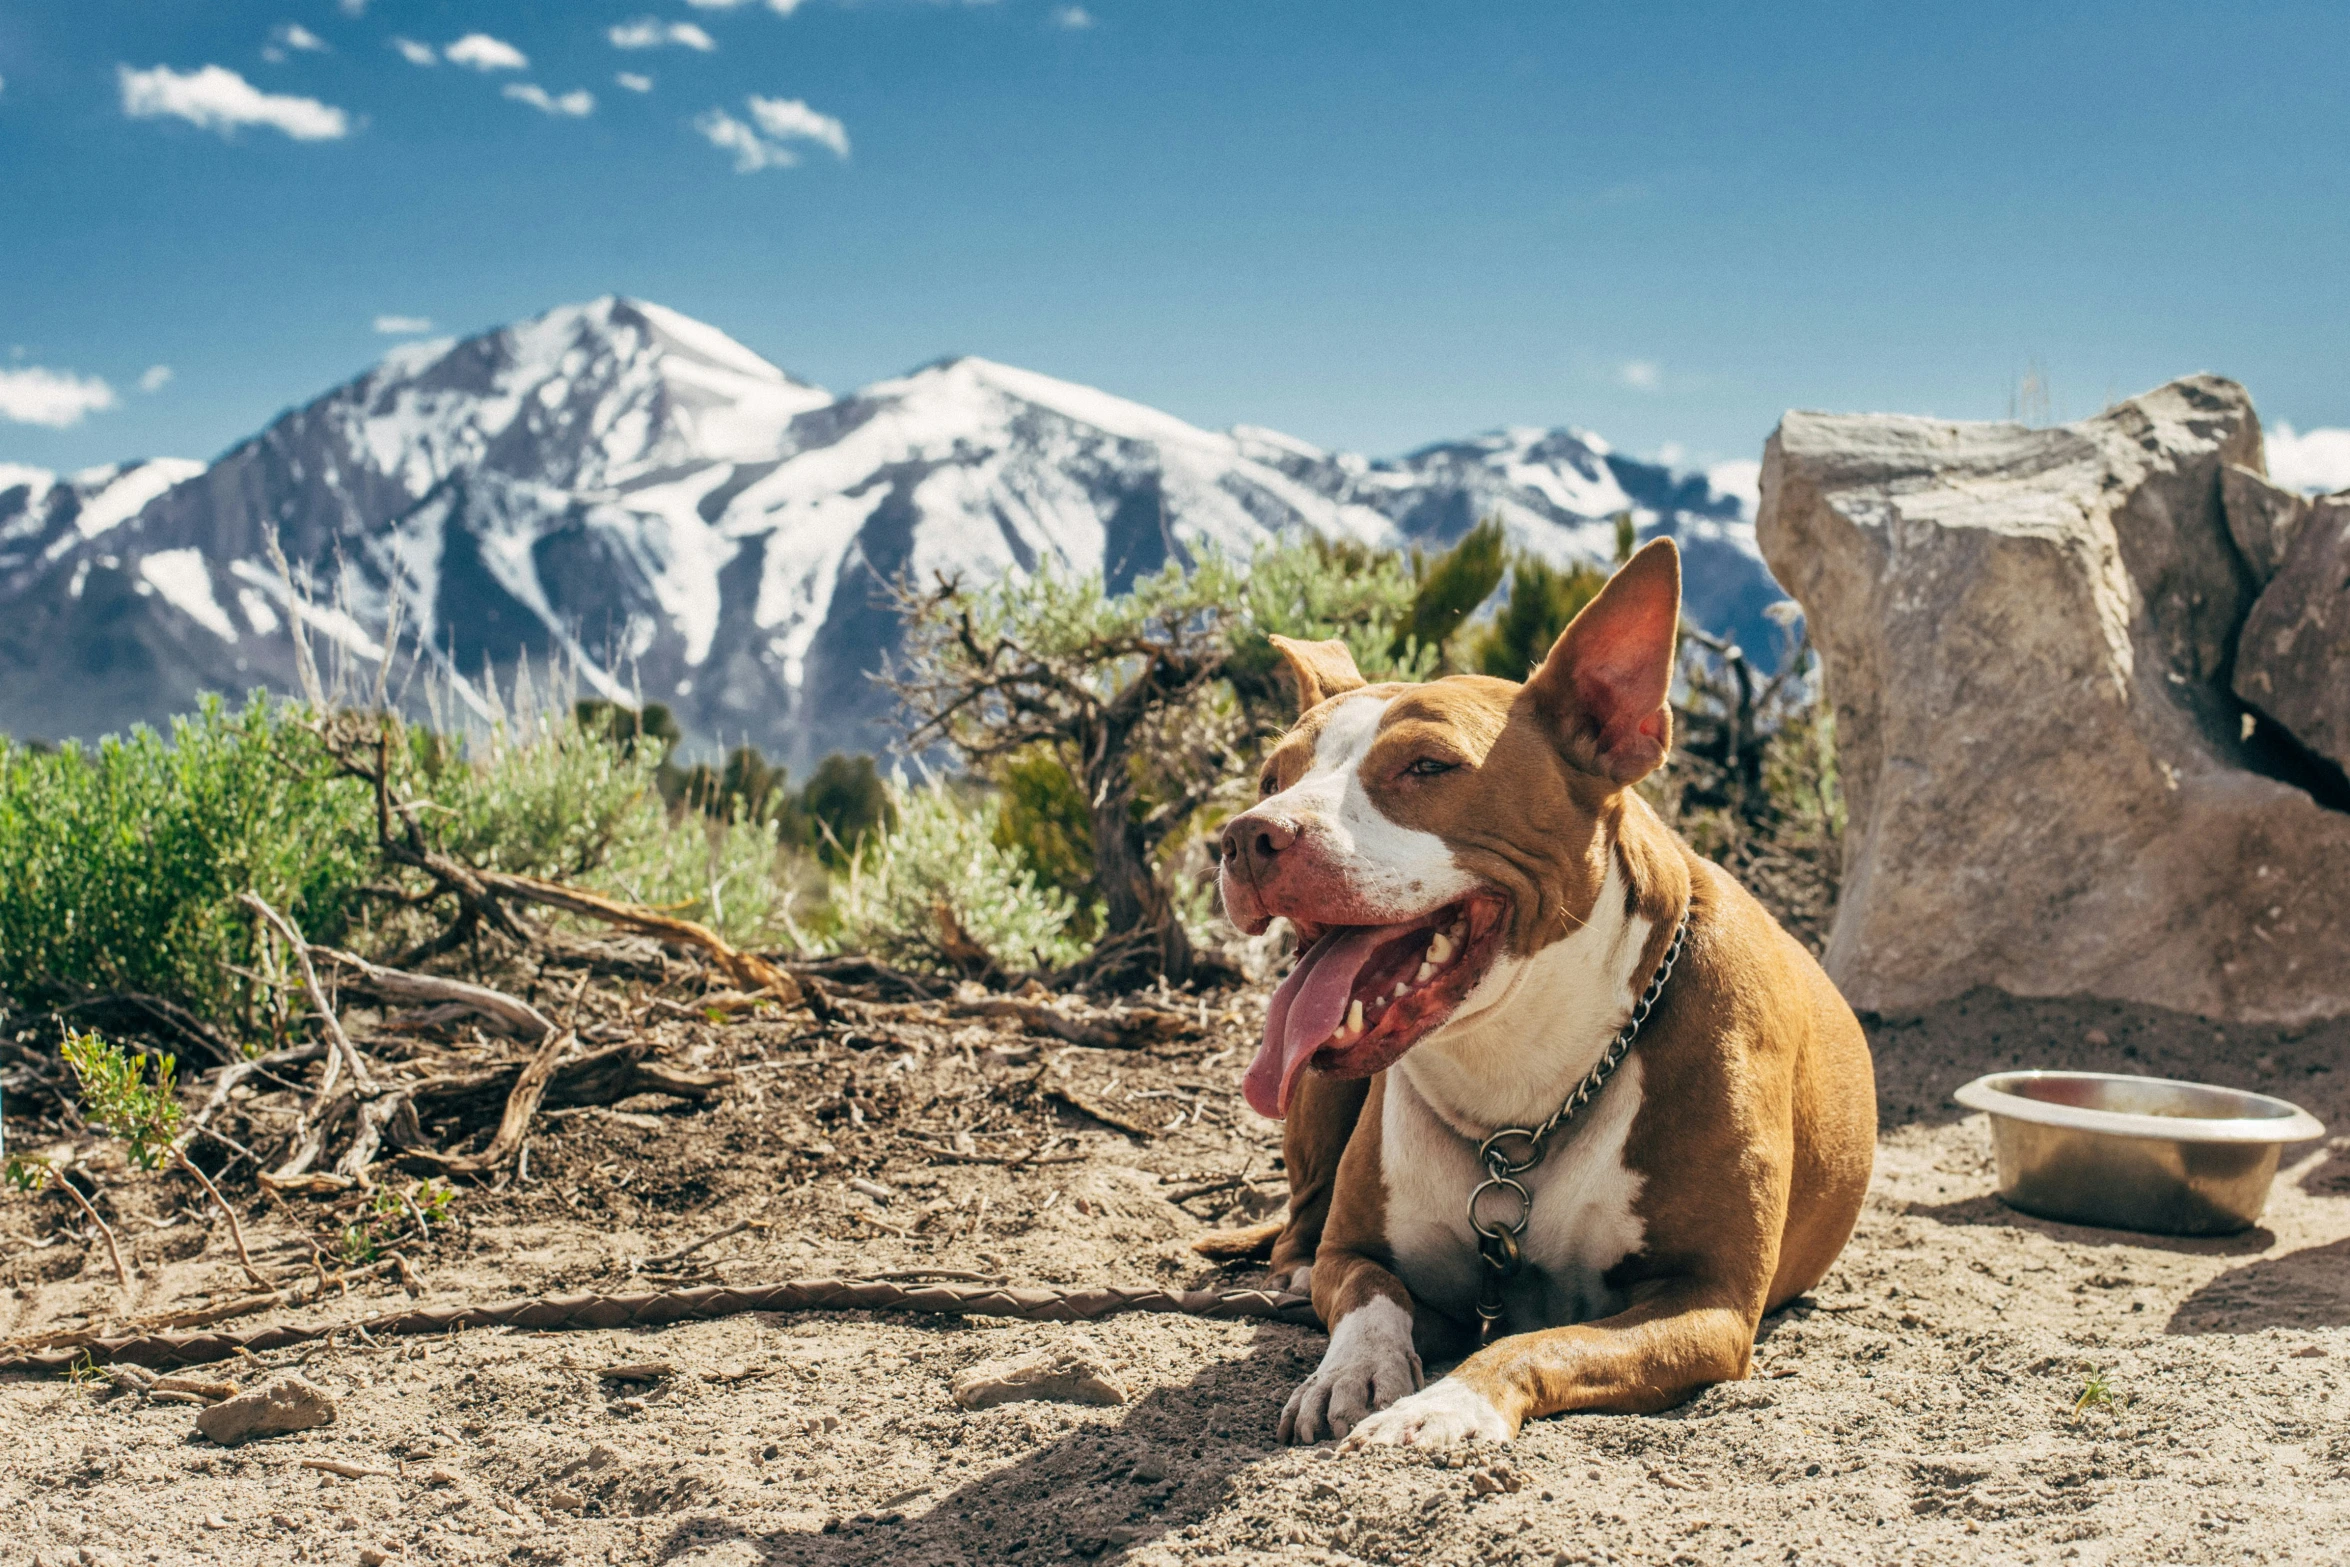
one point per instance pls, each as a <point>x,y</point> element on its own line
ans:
<point>2135,1153</point>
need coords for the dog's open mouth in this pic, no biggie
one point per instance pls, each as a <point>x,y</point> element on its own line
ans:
<point>1362,995</point>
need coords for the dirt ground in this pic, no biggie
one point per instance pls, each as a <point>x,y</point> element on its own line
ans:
<point>1920,1407</point>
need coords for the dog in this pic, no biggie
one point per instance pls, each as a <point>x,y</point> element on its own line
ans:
<point>1560,1095</point>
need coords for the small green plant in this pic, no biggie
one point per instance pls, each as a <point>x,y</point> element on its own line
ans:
<point>24,1174</point>
<point>435,1199</point>
<point>117,1096</point>
<point>391,1212</point>
<point>2097,1391</point>
<point>358,1245</point>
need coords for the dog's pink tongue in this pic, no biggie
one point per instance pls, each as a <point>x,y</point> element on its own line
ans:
<point>1304,1013</point>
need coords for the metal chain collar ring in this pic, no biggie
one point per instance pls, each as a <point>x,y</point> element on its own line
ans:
<point>1498,1238</point>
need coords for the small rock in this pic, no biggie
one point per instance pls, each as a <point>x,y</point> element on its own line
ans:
<point>629,1406</point>
<point>2310,1352</point>
<point>2097,1038</point>
<point>568,1501</point>
<point>286,1404</point>
<point>440,1476</point>
<point>1067,1376</point>
<point>373,1556</point>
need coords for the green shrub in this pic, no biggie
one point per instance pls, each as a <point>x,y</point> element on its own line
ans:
<point>1452,586</point>
<point>938,892</point>
<point>844,805</point>
<point>120,865</point>
<point>1543,598</point>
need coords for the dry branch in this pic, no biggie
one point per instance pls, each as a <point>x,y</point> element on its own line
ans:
<point>121,1274</point>
<point>326,1013</point>
<point>519,1017</point>
<point>530,1087</point>
<point>747,970</point>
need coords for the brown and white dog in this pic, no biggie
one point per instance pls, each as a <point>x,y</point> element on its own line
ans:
<point>1479,897</point>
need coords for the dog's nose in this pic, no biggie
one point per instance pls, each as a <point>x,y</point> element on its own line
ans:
<point>1250,843</point>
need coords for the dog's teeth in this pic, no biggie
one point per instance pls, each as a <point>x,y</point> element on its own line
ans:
<point>1439,950</point>
<point>1354,1017</point>
<point>1401,990</point>
<point>1427,971</point>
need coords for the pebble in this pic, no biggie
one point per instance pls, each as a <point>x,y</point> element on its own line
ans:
<point>1067,1376</point>
<point>288,1403</point>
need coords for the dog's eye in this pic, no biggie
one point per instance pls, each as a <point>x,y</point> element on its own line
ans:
<point>1267,784</point>
<point>1429,767</point>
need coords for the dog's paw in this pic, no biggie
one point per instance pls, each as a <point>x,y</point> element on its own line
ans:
<point>1369,1365</point>
<point>1446,1413</point>
<point>1297,1281</point>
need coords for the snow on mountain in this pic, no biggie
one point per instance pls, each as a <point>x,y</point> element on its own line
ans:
<point>42,517</point>
<point>630,486</point>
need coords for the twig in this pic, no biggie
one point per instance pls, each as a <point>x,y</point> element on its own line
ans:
<point>236,1231</point>
<point>334,1025</point>
<point>335,1466</point>
<point>880,1224</point>
<point>121,1274</point>
<point>684,1252</point>
<point>523,1102</point>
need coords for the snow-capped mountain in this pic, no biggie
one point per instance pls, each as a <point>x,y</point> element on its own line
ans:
<point>632,487</point>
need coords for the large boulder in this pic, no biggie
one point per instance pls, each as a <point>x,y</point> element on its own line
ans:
<point>2293,660</point>
<point>2028,636</point>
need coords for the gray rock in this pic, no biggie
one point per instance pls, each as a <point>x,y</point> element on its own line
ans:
<point>1065,1376</point>
<point>2027,636</point>
<point>2262,518</point>
<point>2293,659</point>
<point>287,1403</point>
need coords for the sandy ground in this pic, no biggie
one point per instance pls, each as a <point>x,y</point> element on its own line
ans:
<point>1919,1408</point>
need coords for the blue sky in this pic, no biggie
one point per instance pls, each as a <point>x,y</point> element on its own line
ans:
<point>1367,224</point>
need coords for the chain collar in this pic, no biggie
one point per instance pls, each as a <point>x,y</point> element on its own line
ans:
<point>1498,1239</point>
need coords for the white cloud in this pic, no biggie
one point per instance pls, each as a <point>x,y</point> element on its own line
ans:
<point>402,326</point>
<point>56,398</point>
<point>789,119</point>
<point>217,98</point>
<point>1074,17</point>
<point>1641,375</point>
<point>751,154</point>
<point>779,120</point>
<point>154,378</point>
<point>2317,463</point>
<point>576,103</point>
<point>295,36</point>
<point>354,7</point>
<point>415,53</point>
<point>485,53</point>
<point>779,7</point>
<point>634,82</point>
<point>647,33</point>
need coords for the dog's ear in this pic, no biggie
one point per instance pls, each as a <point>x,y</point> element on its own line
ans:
<point>1321,670</point>
<point>1603,688</point>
